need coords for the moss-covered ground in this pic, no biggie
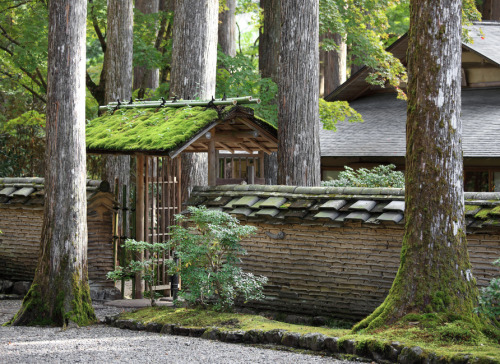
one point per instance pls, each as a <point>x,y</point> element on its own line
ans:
<point>426,331</point>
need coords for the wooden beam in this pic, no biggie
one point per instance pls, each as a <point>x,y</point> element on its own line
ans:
<point>225,147</point>
<point>261,165</point>
<point>244,148</point>
<point>262,132</point>
<point>212,161</point>
<point>232,135</point>
<point>139,220</point>
<point>259,145</point>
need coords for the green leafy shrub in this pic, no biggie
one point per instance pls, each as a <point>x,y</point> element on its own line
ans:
<point>147,267</point>
<point>380,176</point>
<point>208,250</point>
<point>489,300</point>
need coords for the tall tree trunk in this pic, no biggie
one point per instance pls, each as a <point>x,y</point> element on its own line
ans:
<point>491,10</point>
<point>335,65</point>
<point>60,292</point>
<point>195,39</point>
<point>269,47</point>
<point>227,28</point>
<point>435,273</point>
<point>298,116</point>
<point>146,78</point>
<point>118,65</point>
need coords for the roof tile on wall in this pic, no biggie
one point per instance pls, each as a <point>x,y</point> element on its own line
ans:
<point>326,205</point>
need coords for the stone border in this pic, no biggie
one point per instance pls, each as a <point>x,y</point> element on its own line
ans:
<point>380,352</point>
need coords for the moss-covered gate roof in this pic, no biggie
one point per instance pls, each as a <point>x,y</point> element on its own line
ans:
<point>163,131</point>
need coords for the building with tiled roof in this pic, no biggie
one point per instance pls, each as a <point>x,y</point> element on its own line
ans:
<point>381,138</point>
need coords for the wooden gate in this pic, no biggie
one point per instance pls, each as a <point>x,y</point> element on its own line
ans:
<point>162,201</point>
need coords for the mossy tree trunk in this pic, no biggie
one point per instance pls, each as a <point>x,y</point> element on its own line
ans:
<point>60,292</point>
<point>435,273</point>
<point>269,47</point>
<point>298,115</point>
<point>194,66</point>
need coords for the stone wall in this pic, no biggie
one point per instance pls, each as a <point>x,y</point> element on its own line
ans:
<point>339,271</point>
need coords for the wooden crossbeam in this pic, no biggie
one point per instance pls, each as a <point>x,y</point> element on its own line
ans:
<point>225,147</point>
<point>242,146</point>
<point>259,145</point>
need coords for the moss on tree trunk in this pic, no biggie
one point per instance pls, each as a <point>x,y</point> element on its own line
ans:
<point>435,273</point>
<point>60,293</point>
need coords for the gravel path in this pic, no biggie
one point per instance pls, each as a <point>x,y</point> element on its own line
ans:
<point>104,344</point>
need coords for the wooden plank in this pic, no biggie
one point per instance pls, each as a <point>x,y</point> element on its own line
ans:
<point>139,289</point>
<point>259,145</point>
<point>212,161</point>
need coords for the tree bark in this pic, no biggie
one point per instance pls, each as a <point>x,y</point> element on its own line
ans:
<point>269,46</point>
<point>298,116</point>
<point>435,273</point>
<point>335,65</point>
<point>60,293</point>
<point>194,66</point>
<point>491,10</point>
<point>118,66</point>
<point>146,78</point>
<point>227,29</point>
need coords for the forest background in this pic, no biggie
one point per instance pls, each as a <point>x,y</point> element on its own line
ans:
<point>361,29</point>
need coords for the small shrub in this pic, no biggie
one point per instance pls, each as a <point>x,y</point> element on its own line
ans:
<point>489,300</point>
<point>208,250</point>
<point>380,176</point>
<point>147,267</point>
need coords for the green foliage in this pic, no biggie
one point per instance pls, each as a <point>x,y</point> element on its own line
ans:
<point>364,26</point>
<point>147,267</point>
<point>23,145</point>
<point>330,113</point>
<point>239,76</point>
<point>380,176</point>
<point>146,54</point>
<point>208,252</point>
<point>489,300</point>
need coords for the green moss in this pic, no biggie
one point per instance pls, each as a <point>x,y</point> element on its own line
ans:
<point>495,211</point>
<point>285,205</point>
<point>483,214</point>
<point>147,129</point>
<point>162,129</point>
<point>471,208</point>
<point>82,312</point>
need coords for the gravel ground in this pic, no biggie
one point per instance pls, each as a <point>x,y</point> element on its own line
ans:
<point>104,344</point>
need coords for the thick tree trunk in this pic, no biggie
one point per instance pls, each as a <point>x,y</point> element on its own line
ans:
<point>491,10</point>
<point>195,39</point>
<point>435,273</point>
<point>298,116</point>
<point>118,66</point>
<point>269,46</point>
<point>227,28</point>
<point>60,293</point>
<point>146,78</point>
<point>335,65</point>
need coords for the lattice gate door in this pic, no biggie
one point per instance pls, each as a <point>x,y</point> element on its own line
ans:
<point>162,202</point>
